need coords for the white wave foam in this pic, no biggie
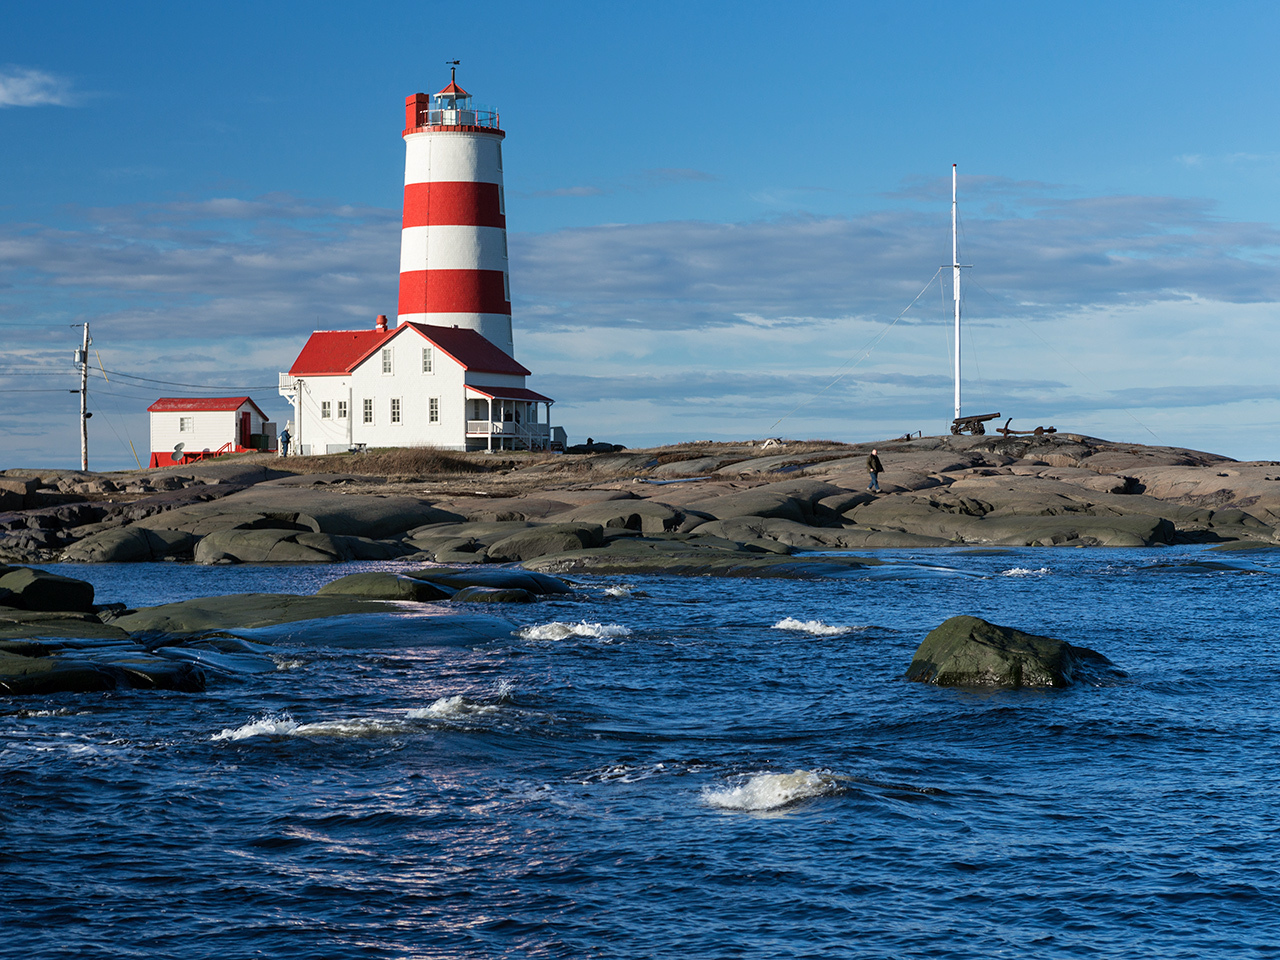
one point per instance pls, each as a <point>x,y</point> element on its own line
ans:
<point>560,630</point>
<point>618,591</point>
<point>768,791</point>
<point>815,627</point>
<point>284,663</point>
<point>456,706</point>
<point>283,725</point>
<point>1024,572</point>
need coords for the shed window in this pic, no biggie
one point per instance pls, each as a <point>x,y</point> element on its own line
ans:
<point>186,424</point>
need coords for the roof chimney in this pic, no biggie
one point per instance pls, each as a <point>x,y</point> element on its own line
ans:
<point>381,323</point>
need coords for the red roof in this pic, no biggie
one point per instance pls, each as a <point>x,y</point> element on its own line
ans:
<point>174,404</point>
<point>470,349</point>
<point>338,352</point>
<point>453,90</point>
<point>509,393</point>
<point>335,352</point>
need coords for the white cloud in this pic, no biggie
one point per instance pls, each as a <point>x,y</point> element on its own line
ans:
<point>25,87</point>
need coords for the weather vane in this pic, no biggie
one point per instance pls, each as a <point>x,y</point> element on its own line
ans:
<point>453,69</point>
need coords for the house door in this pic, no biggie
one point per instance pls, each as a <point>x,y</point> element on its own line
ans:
<point>244,429</point>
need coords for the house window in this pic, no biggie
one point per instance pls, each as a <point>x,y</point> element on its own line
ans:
<point>342,409</point>
<point>427,360</point>
<point>506,286</point>
<point>433,409</point>
<point>186,424</point>
<point>324,409</point>
<point>395,409</point>
<point>368,411</point>
<point>386,360</point>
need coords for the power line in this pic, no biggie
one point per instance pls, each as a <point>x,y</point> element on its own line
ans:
<point>177,383</point>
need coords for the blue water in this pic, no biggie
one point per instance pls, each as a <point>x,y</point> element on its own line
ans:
<point>678,777</point>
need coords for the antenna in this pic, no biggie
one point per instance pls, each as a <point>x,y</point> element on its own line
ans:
<point>955,281</point>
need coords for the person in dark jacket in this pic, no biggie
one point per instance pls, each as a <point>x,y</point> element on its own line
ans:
<point>875,468</point>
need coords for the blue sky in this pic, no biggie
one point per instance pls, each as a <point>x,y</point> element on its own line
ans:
<point>715,209</point>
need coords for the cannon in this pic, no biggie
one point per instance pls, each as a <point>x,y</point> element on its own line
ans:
<point>972,425</point>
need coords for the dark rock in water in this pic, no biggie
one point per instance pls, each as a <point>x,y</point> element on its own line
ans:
<point>240,610</point>
<point>970,652</point>
<point>493,595</point>
<point>384,586</point>
<point>456,579</point>
<point>40,590</point>
<point>35,668</point>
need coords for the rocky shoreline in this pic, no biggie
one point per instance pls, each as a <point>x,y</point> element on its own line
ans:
<point>731,509</point>
<point>496,536</point>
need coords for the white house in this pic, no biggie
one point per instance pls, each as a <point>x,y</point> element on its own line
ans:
<point>411,385</point>
<point>206,427</point>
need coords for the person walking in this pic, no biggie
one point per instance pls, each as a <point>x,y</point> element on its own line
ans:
<point>875,468</point>
<point>284,442</point>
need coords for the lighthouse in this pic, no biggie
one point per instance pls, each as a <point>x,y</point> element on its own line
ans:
<point>453,246</point>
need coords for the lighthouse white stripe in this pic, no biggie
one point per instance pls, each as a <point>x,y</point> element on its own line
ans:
<point>452,248</point>
<point>451,156</point>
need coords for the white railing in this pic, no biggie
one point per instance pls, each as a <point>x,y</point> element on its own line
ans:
<point>287,383</point>
<point>508,428</point>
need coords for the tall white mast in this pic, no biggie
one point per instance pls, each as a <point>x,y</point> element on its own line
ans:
<point>955,282</point>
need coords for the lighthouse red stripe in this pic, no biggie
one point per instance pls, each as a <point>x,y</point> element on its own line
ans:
<point>452,291</point>
<point>452,203</point>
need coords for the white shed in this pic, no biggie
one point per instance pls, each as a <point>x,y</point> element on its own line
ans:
<point>206,427</point>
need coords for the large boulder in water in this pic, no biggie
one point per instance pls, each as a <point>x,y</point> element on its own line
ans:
<point>31,589</point>
<point>547,539</point>
<point>130,544</point>
<point>384,586</point>
<point>970,652</point>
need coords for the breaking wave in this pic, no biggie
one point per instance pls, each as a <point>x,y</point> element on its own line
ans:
<point>560,630</point>
<point>815,627</point>
<point>283,725</point>
<point>768,791</point>
<point>1025,572</point>
<point>456,706</point>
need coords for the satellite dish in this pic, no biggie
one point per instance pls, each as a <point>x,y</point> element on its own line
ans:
<point>176,456</point>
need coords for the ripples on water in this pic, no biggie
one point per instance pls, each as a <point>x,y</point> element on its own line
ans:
<point>655,767</point>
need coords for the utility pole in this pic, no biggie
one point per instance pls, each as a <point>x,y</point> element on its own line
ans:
<point>82,357</point>
<point>955,283</point>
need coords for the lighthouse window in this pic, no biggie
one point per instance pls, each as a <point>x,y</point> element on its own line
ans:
<point>499,146</point>
<point>506,286</point>
<point>395,409</point>
<point>426,359</point>
<point>368,411</point>
<point>324,409</point>
<point>386,360</point>
<point>433,409</point>
<point>502,199</point>
<point>342,409</point>
<point>186,424</point>
<point>504,248</point>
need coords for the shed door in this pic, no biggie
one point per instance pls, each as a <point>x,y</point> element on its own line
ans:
<point>244,429</point>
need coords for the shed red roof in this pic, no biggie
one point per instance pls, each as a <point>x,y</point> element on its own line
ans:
<point>183,404</point>
<point>338,352</point>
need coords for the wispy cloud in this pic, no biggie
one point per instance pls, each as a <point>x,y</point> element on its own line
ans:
<point>26,87</point>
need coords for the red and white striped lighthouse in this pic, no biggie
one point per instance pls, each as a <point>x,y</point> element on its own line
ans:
<point>453,248</point>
